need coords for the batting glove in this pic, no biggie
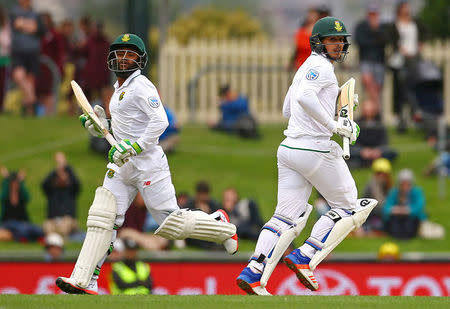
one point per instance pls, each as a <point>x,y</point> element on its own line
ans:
<point>125,149</point>
<point>86,122</point>
<point>347,128</point>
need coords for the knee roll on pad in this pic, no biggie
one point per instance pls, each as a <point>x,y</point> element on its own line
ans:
<point>100,225</point>
<point>342,227</point>
<point>183,223</point>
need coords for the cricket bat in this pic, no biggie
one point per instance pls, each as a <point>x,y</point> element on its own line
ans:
<point>345,109</point>
<point>88,111</point>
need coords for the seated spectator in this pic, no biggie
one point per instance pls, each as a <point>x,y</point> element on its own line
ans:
<point>243,213</point>
<point>404,208</point>
<point>131,276</point>
<point>170,137</point>
<point>14,216</point>
<point>373,140</point>
<point>236,117</point>
<point>54,247</point>
<point>61,187</point>
<point>378,188</point>
<point>202,199</point>
<point>133,227</point>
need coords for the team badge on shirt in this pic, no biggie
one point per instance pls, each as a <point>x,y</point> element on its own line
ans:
<point>153,101</point>
<point>312,75</point>
<point>110,173</point>
<point>121,95</point>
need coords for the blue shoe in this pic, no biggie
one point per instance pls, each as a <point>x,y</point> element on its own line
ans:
<point>250,282</point>
<point>299,264</point>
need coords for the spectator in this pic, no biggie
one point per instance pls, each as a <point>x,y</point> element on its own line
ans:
<point>378,188</point>
<point>372,38</point>
<point>404,60</point>
<point>27,29</point>
<point>54,247</point>
<point>236,117</point>
<point>202,199</point>
<point>170,138</point>
<point>61,187</point>
<point>14,216</point>
<point>130,276</point>
<point>404,208</point>
<point>52,54</point>
<point>133,227</point>
<point>5,45</point>
<point>183,199</point>
<point>373,142</point>
<point>243,213</point>
<point>96,74</point>
<point>302,45</point>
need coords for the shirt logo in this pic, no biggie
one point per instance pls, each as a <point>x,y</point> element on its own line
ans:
<point>110,173</point>
<point>337,26</point>
<point>121,95</point>
<point>153,101</point>
<point>126,38</point>
<point>312,75</point>
<point>147,183</point>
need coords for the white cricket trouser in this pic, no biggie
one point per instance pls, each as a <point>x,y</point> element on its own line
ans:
<point>306,162</point>
<point>158,195</point>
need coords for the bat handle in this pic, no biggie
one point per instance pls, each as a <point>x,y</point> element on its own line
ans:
<point>346,148</point>
<point>111,140</point>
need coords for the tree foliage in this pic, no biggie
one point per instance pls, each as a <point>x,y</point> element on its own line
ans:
<point>215,23</point>
<point>436,17</point>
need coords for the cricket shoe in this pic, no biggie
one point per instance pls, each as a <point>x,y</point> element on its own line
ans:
<point>299,264</point>
<point>250,283</point>
<point>69,286</point>
<point>231,244</point>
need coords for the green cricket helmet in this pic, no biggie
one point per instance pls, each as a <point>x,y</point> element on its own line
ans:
<point>127,44</point>
<point>326,27</point>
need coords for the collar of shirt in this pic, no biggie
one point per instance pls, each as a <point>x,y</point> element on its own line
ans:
<point>128,80</point>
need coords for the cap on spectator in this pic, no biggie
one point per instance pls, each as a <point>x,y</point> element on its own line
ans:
<point>54,239</point>
<point>130,244</point>
<point>372,7</point>
<point>405,175</point>
<point>381,165</point>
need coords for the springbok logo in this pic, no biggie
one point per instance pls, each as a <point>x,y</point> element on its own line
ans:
<point>337,26</point>
<point>126,38</point>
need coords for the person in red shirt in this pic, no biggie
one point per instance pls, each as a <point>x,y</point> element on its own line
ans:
<point>53,58</point>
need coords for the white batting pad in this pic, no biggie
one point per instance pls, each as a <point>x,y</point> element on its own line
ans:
<point>282,244</point>
<point>342,228</point>
<point>183,223</point>
<point>100,225</point>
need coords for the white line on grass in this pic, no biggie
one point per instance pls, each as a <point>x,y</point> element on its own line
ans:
<point>31,151</point>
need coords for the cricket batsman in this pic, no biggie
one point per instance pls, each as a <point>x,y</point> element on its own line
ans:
<point>306,158</point>
<point>138,164</point>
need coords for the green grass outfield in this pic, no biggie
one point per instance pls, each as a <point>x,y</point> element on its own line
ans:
<point>219,301</point>
<point>249,165</point>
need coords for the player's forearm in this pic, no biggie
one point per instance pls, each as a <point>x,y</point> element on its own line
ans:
<point>310,103</point>
<point>153,132</point>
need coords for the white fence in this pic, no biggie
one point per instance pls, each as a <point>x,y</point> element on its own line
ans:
<point>190,76</point>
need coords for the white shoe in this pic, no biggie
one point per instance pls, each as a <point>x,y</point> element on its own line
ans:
<point>231,244</point>
<point>69,286</point>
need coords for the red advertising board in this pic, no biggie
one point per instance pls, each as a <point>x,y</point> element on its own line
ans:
<point>219,278</point>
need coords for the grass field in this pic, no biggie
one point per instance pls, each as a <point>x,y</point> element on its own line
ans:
<point>223,160</point>
<point>219,301</point>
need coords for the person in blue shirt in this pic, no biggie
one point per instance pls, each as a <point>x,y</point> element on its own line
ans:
<point>236,117</point>
<point>170,137</point>
<point>404,207</point>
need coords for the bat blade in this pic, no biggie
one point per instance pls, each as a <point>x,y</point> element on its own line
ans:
<point>88,110</point>
<point>345,108</point>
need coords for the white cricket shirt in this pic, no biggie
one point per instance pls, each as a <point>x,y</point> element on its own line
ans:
<point>315,77</point>
<point>137,114</point>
